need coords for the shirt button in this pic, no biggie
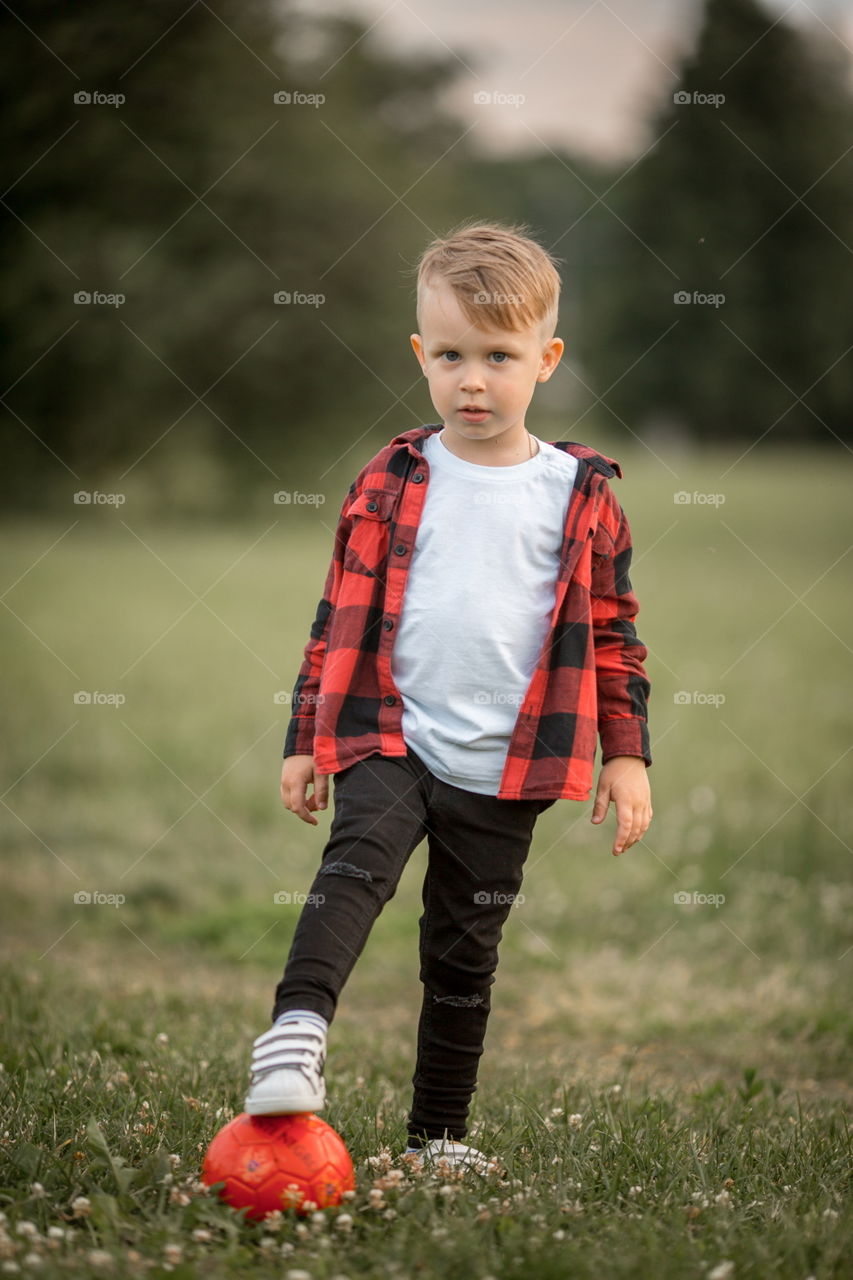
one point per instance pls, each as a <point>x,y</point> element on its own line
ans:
<point>417,479</point>
<point>389,699</point>
<point>388,624</point>
<point>400,549</point>
<point>372,506</point>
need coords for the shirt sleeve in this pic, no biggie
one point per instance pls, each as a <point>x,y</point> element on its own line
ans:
<point>622,684</point>
<point>300,731</point>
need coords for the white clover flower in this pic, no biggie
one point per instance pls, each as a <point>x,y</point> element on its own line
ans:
<point>722,1271</point>
<point>100,1259</point>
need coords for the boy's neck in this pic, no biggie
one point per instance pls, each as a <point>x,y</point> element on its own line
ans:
<point>494,452</point>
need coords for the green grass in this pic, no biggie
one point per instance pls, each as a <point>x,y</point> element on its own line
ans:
<point>667,1086</point>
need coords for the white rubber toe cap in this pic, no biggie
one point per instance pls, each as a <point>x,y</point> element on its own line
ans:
<point>284,1092</point>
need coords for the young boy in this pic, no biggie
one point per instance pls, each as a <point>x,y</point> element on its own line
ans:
<point>475,634</point>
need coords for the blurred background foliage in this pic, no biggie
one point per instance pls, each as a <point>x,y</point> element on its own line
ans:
<point>200,198</point>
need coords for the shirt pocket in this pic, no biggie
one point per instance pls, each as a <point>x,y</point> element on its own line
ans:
<point>370,515</point>
<point>603,545</point>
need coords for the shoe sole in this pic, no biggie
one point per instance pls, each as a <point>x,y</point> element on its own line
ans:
<point>282,1106</point>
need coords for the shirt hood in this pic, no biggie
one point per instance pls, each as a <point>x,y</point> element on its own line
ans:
<point>599,461</point>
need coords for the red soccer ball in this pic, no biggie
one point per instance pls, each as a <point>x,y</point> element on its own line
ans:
<point>277,1162</point>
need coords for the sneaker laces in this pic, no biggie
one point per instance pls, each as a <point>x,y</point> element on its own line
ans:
<point>296,1046</point>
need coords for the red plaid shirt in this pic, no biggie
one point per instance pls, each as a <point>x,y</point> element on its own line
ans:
<point>589,678</point>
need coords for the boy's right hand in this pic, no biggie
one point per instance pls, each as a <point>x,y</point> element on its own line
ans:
<point>297,772</point>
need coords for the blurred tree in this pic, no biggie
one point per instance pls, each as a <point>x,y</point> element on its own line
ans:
<point>748,199</point>
<point>200,198</point>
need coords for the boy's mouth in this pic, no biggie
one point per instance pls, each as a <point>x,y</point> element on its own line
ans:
<point>472,414</point>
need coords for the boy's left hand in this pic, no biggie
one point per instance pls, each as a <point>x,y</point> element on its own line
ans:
<point>623,780</point>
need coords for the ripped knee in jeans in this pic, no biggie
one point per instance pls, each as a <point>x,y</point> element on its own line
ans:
<point>345,869</point>
<point>460,1002</point>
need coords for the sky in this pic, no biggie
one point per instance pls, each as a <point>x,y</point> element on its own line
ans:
<point>580,74</point>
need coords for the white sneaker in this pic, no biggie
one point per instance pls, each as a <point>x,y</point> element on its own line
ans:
<point>455,1153</point>
<point>287,1069</point>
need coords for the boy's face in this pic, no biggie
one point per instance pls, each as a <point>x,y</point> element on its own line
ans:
<point>495,369</point>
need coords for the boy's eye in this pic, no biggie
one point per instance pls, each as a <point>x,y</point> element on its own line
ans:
<point>504,354</point>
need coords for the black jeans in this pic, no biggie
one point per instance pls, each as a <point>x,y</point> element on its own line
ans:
<point>384,806</point>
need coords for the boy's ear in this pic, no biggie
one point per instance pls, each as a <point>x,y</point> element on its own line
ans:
<point>417,347</point>
<point>551,358</point>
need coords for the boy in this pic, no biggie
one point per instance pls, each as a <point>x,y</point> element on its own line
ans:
<point>474,635</point>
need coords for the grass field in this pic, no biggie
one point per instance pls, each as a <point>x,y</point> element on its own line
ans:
<point>666,1082</point>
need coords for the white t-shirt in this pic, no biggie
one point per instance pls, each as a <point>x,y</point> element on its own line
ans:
<point>477,605</point>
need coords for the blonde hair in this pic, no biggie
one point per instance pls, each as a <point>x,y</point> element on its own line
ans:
<point>500,276</point>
